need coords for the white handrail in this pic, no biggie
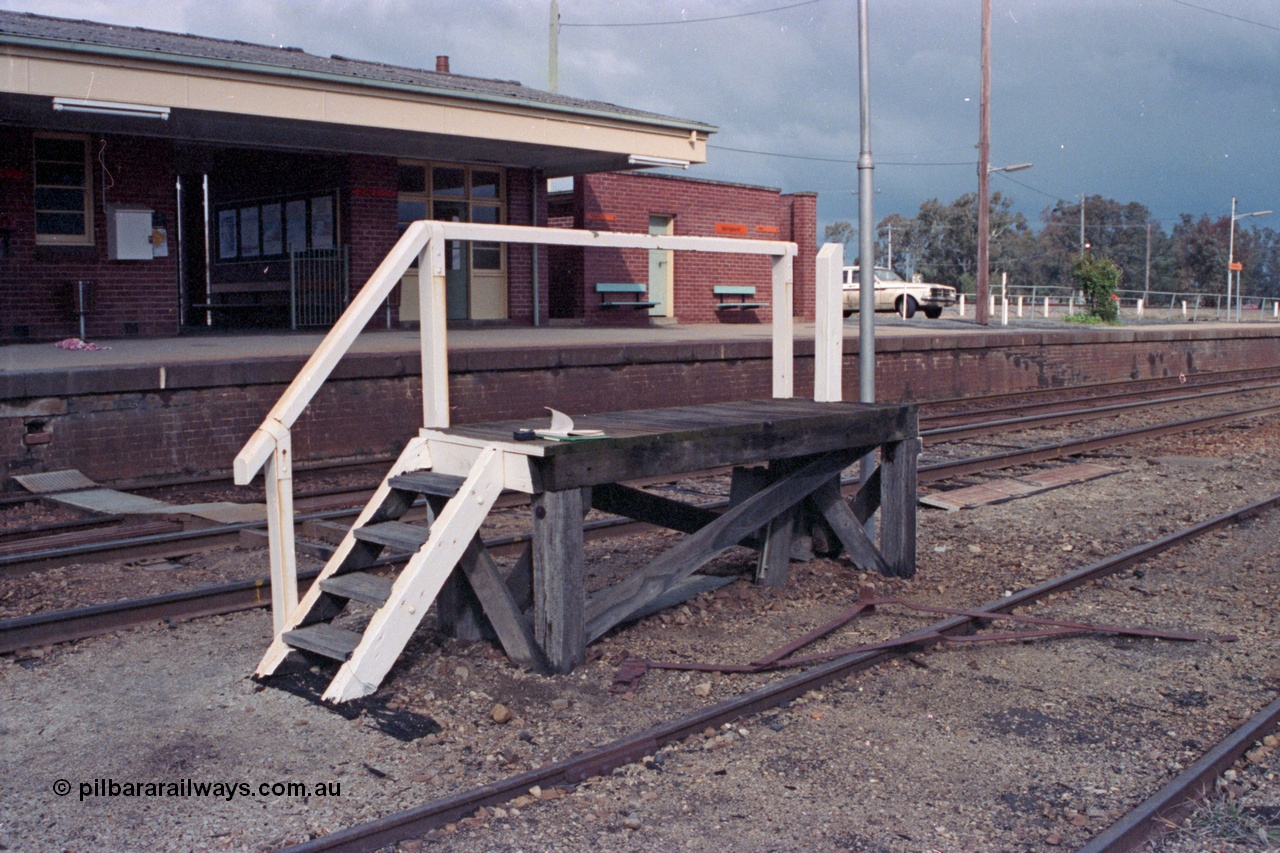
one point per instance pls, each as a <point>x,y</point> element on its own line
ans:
<point>291,404</point>
<point>271,445</point>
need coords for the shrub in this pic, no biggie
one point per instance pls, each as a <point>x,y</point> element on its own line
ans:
<point>1098,278</point>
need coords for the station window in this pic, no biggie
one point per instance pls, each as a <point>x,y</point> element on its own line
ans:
<point>453,194</point>
<point>63,191</point>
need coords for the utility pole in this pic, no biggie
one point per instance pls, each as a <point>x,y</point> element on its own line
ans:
<point>553,57</point>
<point>1082,223</point>
<point>984,171</point>
<point>1146,284</point>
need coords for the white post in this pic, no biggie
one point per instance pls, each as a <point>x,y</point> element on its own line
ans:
<point>1046,307</point>
<point>961,305</point>
<point>432,312</point>
<point>284,565</point>
<point>992,308</point>
<point>1004,311</point>
<point>1139,309</point>
<point>1184,309</point>
<point>1275,310</point>
<point>828,327</point>
<point>783,345</point>
<point>1071,304</point>
<point>1019,306</point>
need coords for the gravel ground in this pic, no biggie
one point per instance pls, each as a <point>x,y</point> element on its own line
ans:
<point>994,747</point>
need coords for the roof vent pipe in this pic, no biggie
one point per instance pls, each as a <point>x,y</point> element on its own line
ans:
<point>442,65</point>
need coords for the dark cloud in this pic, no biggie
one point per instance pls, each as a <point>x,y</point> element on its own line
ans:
<point>1141,100</point>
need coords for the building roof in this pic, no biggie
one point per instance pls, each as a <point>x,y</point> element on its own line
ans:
<point>84,77</point>
<point>92,37</point>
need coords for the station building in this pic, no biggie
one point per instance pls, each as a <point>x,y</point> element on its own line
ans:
<point>153,183</point>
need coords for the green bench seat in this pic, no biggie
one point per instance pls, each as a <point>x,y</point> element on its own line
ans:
<point>637,291</point>
<point>724,294</point>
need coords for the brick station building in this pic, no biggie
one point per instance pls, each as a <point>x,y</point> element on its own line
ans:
<point>683,285</point>
<point>153,183</point>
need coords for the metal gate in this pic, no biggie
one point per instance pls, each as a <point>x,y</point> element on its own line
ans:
<point>318,287</point>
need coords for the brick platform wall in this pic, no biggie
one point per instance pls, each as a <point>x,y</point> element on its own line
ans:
<point>130,297</point>
<point>116,426</point>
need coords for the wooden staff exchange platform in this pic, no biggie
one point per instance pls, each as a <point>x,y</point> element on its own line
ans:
<point>804,444</point>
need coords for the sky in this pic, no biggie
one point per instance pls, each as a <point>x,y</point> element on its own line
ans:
<point>1170,103</point>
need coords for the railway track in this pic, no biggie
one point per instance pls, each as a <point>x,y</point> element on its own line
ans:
<point>66,625</point>
<point>1153,814</point>
<point>1122,835</point>
<point>22,551</point>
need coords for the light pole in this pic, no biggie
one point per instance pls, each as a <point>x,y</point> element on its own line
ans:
<point>984,227</point>
<point>1231,255</point>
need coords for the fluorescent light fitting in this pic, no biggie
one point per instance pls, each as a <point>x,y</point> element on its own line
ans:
<point>109,108</point>
<point>643,160</point>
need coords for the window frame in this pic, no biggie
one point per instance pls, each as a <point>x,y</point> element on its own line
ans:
<point>86,237</point>
<point>428,196</point>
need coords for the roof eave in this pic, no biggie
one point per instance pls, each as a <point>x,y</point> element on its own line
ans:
<point>364,82</point>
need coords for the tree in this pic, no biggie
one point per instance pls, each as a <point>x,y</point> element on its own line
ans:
<point>1112,229</point>
<point>1200,246</point>
<point>844,232</point>
<point>943,239</point>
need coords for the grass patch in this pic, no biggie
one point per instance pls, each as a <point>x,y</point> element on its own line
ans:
<point>1222,820</point>
<point>1090,320</point>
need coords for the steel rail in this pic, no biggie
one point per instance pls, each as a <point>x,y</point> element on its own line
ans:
<point>11,639</point>
<point>1156,385</point>
<point>597,761</point>
<point>11,564</point>
<point>1164,808</point>
<point>1195,380</point>
<point>1053,418</point>
<point>1128,393</point>
<point>1167,806</point>
<point>1026,456</point>
<point>14,561</point>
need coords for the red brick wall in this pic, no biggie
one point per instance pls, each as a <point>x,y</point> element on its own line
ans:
<point>131,297</point>
<point>624,201</point>
<point>803,210</point>
<point>521,185</point>
<point>370,220</point>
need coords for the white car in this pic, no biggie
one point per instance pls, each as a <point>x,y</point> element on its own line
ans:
<point>893,293</point>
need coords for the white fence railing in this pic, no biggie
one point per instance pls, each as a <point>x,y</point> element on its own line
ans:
<point>1056,300</point>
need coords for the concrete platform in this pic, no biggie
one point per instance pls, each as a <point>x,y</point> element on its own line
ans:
<point>44,361</point>
<point>146,408</point>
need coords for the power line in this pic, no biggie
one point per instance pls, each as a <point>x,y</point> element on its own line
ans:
<point>1029,187</point>
<point>835,159</point>
<point>701,20</point>
<point>1225,15</point>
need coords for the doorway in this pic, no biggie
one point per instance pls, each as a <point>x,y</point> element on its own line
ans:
<point>660,225</point>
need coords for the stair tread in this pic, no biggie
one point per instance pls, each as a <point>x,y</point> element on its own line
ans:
<point>397,534</point>
<point>359,586</point>
<point>324,639</point>
<point>428,483</point>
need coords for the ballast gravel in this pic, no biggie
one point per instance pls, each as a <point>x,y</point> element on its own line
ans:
<point>1030,746</point>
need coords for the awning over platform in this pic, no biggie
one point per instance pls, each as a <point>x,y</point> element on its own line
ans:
<point>234,93</point>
